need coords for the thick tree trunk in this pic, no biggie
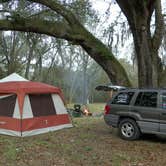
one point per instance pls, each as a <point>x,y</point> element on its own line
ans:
<point>155,44</point>
<point>156,61</point>
<point>139,14</point>
<point>144,57</point>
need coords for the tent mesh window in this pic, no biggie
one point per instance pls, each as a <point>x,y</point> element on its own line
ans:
<point>7,105</point>
<point>42,105</point>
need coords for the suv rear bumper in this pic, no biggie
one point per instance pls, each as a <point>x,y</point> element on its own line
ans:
<point>111,120</point>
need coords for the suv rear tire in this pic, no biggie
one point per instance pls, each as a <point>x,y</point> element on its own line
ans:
<point>128,129</point>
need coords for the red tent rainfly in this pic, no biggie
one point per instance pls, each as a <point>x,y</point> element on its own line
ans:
<point>29,108</point>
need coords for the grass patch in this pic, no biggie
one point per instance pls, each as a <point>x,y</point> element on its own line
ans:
<point>89,143</point>
<point>10,152</point>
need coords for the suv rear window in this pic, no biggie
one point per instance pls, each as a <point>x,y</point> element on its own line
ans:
<point>123,98</point>
<point>146,99</point>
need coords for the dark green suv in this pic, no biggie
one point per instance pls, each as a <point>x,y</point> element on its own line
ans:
<point>136,111</point>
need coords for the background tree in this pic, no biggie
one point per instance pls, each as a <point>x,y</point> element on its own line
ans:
<point>11,52</point>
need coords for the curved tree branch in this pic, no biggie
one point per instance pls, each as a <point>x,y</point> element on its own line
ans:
<point>72,30</point>
<point>37,26</point>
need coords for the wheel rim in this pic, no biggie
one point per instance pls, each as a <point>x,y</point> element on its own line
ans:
<point>127,129</point>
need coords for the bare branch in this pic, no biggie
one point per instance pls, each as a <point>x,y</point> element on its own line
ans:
<point>5,11</point>
<point>60,9</point>
<point>3,1</point>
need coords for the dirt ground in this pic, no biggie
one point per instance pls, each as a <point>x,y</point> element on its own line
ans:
<point>90,142</point>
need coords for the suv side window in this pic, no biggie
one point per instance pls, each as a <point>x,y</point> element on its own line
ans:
<point>123,98</point>
<point>146,99</point>
<point>164,100</point>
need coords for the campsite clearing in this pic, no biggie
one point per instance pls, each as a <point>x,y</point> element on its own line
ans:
<point>89,143</point>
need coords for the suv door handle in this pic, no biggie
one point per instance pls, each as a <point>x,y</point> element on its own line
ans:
<point>164,113</point>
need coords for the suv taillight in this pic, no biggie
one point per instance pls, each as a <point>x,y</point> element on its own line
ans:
<point>107,109</point>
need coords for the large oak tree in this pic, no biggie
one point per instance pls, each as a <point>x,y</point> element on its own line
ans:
<point>139,15</point>
<point>147,40</point>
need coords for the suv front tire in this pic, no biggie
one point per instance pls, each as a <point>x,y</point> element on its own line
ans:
<point>128,129</point>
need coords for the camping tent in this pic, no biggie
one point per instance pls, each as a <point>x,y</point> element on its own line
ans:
<point>29,108</point>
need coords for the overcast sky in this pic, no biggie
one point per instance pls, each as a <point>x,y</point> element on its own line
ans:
<point>102,5</point>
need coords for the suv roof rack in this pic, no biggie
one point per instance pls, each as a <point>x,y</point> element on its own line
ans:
<point>144,89</point>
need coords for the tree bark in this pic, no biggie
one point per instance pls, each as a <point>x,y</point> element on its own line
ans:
<point>144,58</point>
<point>156,43</point>
<point>139,14</point>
